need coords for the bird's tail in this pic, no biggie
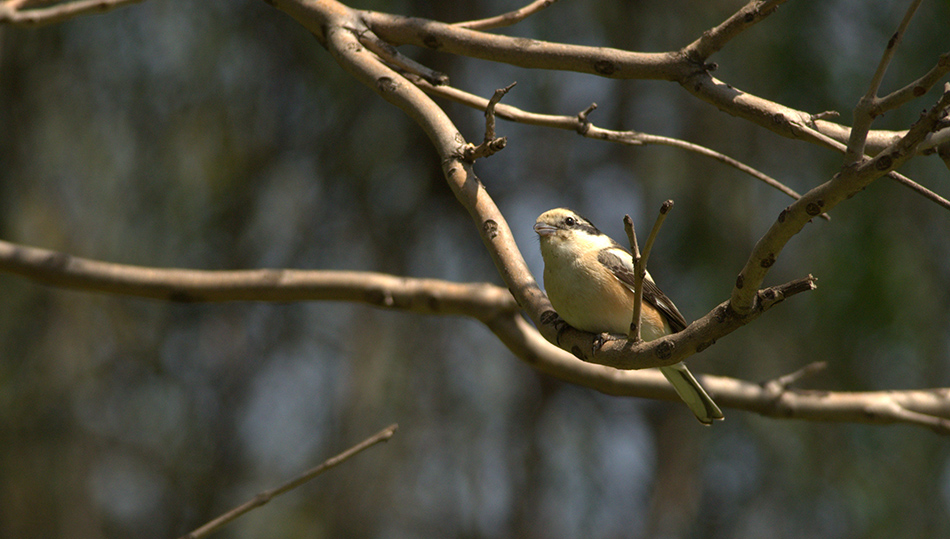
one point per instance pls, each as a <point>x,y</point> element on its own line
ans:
<point>692,393</point>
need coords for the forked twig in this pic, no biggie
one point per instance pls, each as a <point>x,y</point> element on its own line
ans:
<point>864,111</point>
<point>640,265</point>
<point>490,144</point>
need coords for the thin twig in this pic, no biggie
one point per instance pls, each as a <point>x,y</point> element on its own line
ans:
<point>506,19</point>
<point>640,269</point>
<point>864,110</point>
<point>395,58</point>
<point>266,496</point>
<point>785,381</point>
<point>634,333</point>
<point>581,124</point>
<point>490,144</point>
<point>915,89</point>
<point>57,13</point>
<point>893,175</point>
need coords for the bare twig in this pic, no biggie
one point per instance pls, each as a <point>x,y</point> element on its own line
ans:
<point>785,381</point>
<point>849,181</point>
<point>10,14</point>
<point>634,333</point>
<point>490,144</point>
<point>714,39</point>
<point>640,265</point>
<point>395,58</point>
<point>915,89</point>
<point>583,125</point>
<point>267,495</point>
<point>507,19</point>
<point>864,110</point>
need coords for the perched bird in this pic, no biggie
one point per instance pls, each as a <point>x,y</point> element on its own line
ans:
<point>589,279</point>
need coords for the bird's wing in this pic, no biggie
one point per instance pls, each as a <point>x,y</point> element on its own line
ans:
<point>620,263</point>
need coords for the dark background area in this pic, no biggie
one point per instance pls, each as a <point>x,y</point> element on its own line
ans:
<point>220,135</point>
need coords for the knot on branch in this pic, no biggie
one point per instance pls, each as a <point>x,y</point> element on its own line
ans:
<point>583,124</point>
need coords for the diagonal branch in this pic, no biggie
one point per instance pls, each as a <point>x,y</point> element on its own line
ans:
<point>266,496</point>
<point>14,12</point>
<point>714,39</point>
<point>845,184</point>
<point>864,110</point>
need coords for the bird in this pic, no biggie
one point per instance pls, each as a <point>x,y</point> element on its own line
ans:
<point>589,279</point>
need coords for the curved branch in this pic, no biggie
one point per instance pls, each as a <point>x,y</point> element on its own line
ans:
<point>490,304</point>
<point>507,19</point>
<point>928,408</point>
<point>714,39</point>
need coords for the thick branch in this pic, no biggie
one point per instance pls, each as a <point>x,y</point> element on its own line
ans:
<point>928,408</point>
<point>490,304</point>
<point>427,296</point>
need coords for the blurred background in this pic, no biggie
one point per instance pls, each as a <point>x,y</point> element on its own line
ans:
<point>215,134</point>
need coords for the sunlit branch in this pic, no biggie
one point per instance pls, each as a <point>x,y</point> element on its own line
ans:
<point>929,408</point>
<point>16,12</point>
<point>426,296</point>
<point>714,39</point>
<point>507,19</point>
<point>849,181</point>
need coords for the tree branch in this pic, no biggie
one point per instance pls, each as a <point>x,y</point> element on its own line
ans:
<point>339,26</point>
<point>845,184</point>
<point>677,66</point>
<point>583,126</point>
<point>714,39</point>
<point>928,408</point>
<point>14,12</point>
<point>507,19</point>
<point>490,304</point>
<point>425,296</point>
<point>863,112</point>
<point>267,495</point>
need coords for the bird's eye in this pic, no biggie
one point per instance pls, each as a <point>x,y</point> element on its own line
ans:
<point>570,221</point>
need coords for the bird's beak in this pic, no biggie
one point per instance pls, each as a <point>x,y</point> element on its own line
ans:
<point>544,230</point>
